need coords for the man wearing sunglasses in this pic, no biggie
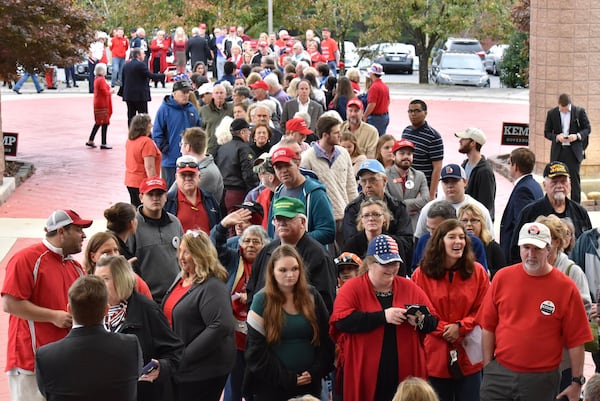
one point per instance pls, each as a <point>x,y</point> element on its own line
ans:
<point>194,207</point>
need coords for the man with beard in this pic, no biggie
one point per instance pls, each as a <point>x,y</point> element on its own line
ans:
<point>366,135</point>
<point>481,182</point>
<point>405,183</point>
<point>529,315</point>
<point>332,163</point>
<point>34,294</point>
<point>557,185</point>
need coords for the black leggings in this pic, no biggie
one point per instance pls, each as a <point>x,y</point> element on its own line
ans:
<point>95,130</point>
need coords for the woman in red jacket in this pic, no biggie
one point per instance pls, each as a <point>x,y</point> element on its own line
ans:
<point>102,106</point>
<point>456,285</point>
<point>158,59</point>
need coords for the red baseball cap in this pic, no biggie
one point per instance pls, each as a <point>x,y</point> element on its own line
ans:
<point>283,155</point>
<point>232,29</point>
<point>152,183</point>
<point>263,43</point>
<point>297,125</point>
<point>355,102</point>
<point>202,26</point>
<point>260,85</point>
<point>254,43</point>
<point>62,218</point>
<point>403,143</point>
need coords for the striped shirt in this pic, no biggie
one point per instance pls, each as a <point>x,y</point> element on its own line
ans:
<point>429,147</point>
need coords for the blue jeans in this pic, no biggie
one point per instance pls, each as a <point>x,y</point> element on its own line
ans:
<point>380,122</point>
<point>466,388</point>
<point>117,70</point>
<point>332,67</point>
<point>34,78</point>
<point>70,75</point>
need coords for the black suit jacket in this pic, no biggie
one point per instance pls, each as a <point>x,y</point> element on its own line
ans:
<point>136,79</point>
<point>197,50</point>
<point>579,125</point>
<point>291,107</point>
<point>526,191</point>
<point>89,364</point>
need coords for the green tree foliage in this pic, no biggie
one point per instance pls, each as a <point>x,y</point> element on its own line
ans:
<point>38,32</point>
<point>427,21</point>
<point>515,66</point>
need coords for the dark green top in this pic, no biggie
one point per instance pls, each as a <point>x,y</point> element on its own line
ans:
<point>294,350</point>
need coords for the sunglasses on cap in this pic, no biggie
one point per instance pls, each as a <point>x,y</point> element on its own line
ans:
<point>345,260</point>
<point>187,164</point>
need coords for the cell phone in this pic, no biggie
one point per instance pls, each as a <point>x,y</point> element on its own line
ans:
<point>150,367</point>
<point>413,309</point>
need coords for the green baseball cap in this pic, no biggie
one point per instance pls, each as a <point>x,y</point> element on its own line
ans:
<point>288,207</point>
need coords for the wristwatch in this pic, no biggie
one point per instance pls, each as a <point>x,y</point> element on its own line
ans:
<point>579,380</point>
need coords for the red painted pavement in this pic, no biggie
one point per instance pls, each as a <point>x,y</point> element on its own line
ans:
<point>53,130</point>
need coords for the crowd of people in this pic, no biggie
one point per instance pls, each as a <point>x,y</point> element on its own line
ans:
<point>260,256</point>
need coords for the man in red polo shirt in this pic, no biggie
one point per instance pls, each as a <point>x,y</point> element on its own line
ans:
<point>195,208</point>
<point>378,101</point>
<point>34,293</point>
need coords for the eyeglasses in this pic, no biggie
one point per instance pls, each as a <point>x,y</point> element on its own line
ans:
<point>372,216</point>
<point>371,181</point>
<point>472,221</point>
<point>252,241</point>
<point>187,164</point>
<point>413,111</point>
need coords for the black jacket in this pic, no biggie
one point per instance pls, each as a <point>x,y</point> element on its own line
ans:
<point>89,364</point>
<point>319,266</point>
<point>267,377</point>
<point>400,226</point>
<point>147,322</point>
<point>235,159</point>
<point>481,184</point>
<point>579,125</point>
<point>135,80</point>
<point>197,50</point>
<point>203,319</point>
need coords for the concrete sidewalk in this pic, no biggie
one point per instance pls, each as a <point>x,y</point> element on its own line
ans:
<point>54,125</point>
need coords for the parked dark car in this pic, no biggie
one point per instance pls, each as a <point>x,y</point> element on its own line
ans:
<point>458,69</point>
<point>81,71</point>
<point>463,45</point>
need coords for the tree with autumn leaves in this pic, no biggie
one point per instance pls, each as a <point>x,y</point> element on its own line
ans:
<point>39,32</point>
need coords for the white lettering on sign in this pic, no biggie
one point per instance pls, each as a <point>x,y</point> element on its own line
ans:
<point>9,140</point>
<point>516,131</point>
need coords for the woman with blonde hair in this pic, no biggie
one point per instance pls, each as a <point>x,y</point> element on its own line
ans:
<point>383,150</point>
<point>198,307</point>
<point>415,389</point>
<point>474,221</point>
<point>179,46</point>
<point>373,219</point>
<point>132,313</point>
<point>288,349</point>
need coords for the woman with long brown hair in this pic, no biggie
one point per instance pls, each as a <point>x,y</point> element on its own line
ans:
<point>383,150</point>
<point>288,349</point>
<point>456,285</point>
